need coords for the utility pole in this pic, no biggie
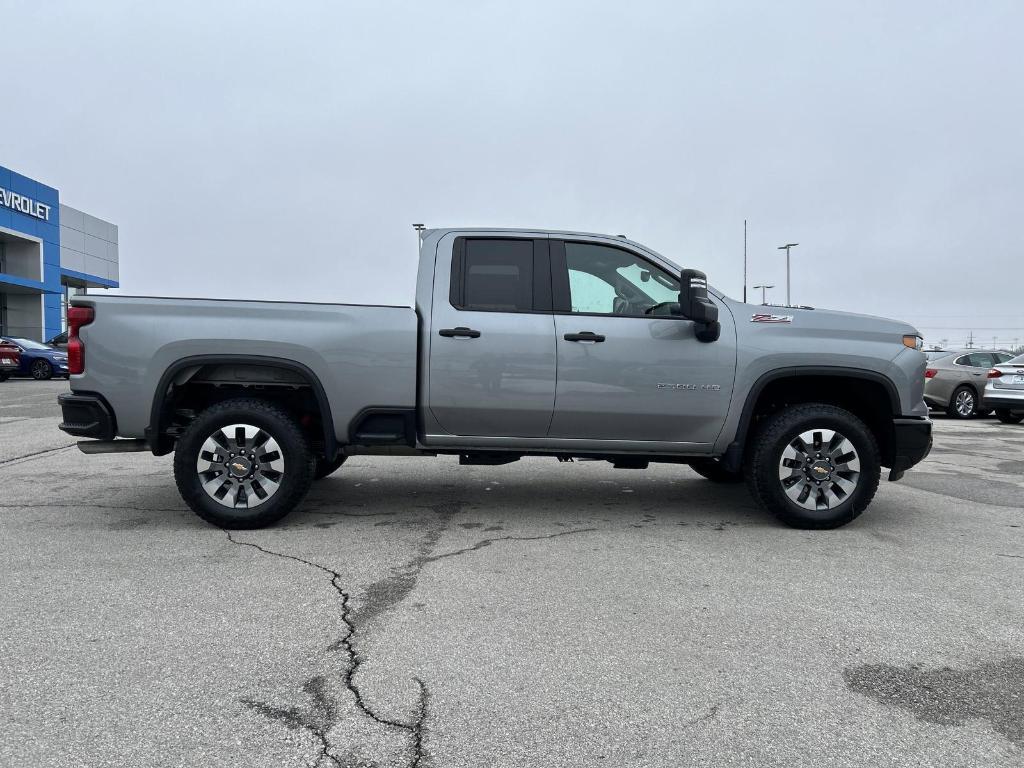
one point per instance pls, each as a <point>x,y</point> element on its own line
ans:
<point>970,340</point>
<point>764,293</point>
<point>786,247</point>
<point>744,261</point>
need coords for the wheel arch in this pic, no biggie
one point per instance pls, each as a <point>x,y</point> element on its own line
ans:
<point>849,385</point>
<point>162,444</point>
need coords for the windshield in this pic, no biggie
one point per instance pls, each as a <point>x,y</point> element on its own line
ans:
<point>28,344</point>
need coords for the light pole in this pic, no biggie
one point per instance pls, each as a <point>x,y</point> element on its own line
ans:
<point>764,296</point>
<point>786,247</point>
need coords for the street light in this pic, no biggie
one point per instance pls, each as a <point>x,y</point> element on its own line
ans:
<point>786,248</point>
<point>764,289</point>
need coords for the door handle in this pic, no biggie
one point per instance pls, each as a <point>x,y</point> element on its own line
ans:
<point>584,336</point>
<point>460,332</point>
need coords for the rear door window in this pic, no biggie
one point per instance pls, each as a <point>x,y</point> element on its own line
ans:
<point>496,275</point>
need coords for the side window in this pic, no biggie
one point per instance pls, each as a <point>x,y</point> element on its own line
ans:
<point>495,275</point>
<point>963,360</point>
<point>612,281</point>
<point>981,360</point>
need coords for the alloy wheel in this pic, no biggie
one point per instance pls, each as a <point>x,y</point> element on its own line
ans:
<point>819,469</point>
<point>964,403</point>
<point>240,466</point>
<point>40,370</point>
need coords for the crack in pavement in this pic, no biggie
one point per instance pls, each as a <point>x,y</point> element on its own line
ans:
<point>325,713</point>
<point>487,542</point>
<point>79,505</point>
<point>34,455</point>
<point>711,714</point>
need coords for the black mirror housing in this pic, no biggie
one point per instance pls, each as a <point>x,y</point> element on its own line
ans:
<point>695,305</point>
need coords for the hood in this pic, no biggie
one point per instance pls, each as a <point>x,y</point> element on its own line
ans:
<point>810,322</point>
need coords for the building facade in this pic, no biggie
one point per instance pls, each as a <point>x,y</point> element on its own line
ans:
<point>48,251</point>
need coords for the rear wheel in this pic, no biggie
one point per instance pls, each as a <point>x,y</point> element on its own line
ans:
<point>963,404</point>
<point>243,464</point>
<point>322,467</point>
<point>713,470</point>
<point>41,370</point>
<point>1008,417</point>
<point>814,466</point>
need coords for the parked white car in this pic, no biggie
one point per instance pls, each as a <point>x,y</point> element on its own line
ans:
<point>1004,391</point>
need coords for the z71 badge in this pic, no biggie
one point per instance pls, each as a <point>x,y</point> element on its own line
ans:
<point>761,318</point>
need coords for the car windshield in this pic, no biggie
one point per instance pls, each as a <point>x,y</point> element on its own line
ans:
<point>29,344</point>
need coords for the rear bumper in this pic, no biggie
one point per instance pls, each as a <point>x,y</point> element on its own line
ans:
<point>912,442</point>
<point>1003,403</point>
<point>86,415</point>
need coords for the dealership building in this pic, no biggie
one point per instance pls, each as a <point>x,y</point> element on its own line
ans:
<point>48,252</point>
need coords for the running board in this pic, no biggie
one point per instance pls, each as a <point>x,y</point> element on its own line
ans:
<point>132,445</point>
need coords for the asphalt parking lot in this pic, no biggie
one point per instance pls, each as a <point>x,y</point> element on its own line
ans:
<point>418,613</point>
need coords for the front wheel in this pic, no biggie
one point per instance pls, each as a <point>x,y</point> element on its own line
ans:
<point>1008,417</point>
<point>41,370</point>
<point>243,464</point>
<point>814,466</point>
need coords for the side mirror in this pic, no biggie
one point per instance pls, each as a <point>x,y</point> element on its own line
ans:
<point>695,305</point>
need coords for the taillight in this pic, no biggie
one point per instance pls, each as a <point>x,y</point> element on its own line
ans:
<point>77,317</point>
<point>930,373</point>
<point>995,373</point>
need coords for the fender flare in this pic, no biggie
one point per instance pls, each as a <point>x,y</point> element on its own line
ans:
<point>156,412</point>
<point>733,457</point>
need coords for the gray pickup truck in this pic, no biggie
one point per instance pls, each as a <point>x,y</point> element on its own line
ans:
<point>521,343</point>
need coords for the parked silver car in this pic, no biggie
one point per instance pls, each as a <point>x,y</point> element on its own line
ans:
<point>955,380</point>
<point>1004,391</point>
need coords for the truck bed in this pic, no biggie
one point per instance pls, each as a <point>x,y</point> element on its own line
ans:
<point>363,355</point>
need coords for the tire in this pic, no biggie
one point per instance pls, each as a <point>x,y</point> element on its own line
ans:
<point>963,403</point>
<point>821,506</point>
<point>283,480</point>
<point>1008,417</point>
<point>713,470</point>
<point>322,467</point>
<point>41,370</point>
<point>4,377</point>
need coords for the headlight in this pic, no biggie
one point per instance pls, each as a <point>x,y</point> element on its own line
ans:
<point>913,342</point>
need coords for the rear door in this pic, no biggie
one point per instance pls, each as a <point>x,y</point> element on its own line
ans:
<point>627,369</point>
<point>491,365</point>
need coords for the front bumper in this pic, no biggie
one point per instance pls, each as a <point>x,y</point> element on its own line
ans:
<point>912,442</point>
<point>86,415</point>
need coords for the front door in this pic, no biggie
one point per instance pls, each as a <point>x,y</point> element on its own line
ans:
<point>627,369</point>
<point>492,339</point>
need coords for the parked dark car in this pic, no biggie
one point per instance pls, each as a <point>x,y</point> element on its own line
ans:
<point>60,340</point>
<point>10,359</point>
<point>38,360</point>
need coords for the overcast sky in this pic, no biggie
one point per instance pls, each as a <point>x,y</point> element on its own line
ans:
<point>282,150</point>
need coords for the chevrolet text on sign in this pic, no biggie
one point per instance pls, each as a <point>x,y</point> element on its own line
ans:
<point>23,204</point>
